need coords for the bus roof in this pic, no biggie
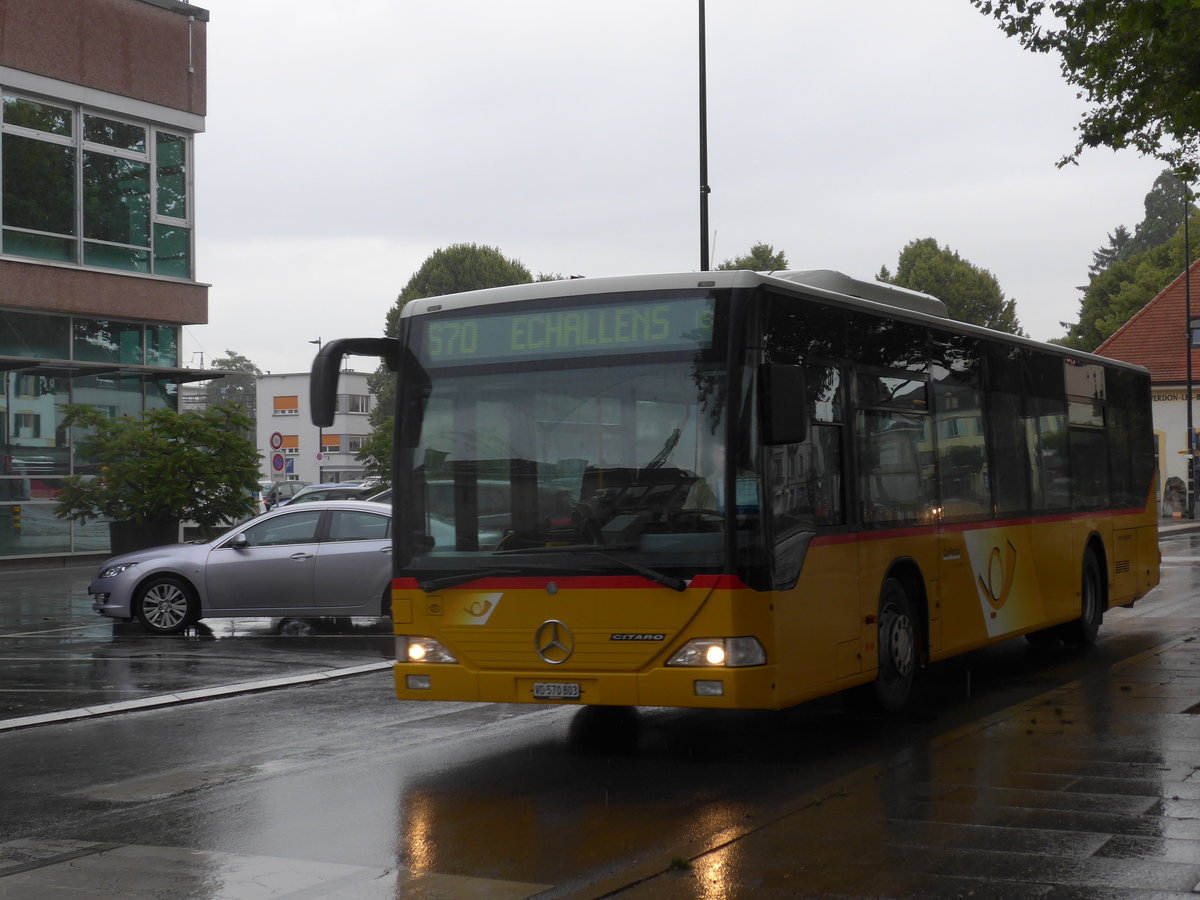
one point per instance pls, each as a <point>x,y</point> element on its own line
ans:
<point>825,280</point>
<point>822,283</point>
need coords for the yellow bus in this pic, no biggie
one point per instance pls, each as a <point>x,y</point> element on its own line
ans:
<point>743,490</point>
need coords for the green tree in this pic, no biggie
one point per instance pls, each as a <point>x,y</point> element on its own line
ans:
<point>459,267</point>
<point>1136,62</point>
<point>971,294</point>
<point>1125,286</point>
<point>235,390</point>
<point>761,258</point>
<point>1164,213</point>
<point>1118,240</point>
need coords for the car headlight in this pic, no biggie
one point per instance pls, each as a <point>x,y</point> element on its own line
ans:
<point>112,571</point>
<point>720,652</point>
<point>418,648</point>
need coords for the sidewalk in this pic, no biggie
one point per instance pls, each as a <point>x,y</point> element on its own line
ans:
<point>1090,790</point>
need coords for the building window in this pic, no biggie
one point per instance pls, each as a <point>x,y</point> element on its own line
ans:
<point>27,425</point>
<point>355,442</point>
<point>87,340</point>
<point>353,403</point>
<point>98,340</point>
<point>287,406</point>
<point>290,445</point>
<point>331,443</point>
<point>80,186</point>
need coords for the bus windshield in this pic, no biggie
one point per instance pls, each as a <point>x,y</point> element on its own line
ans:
<point>603,462</point>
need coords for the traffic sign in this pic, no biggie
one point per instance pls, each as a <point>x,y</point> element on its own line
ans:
<point>277,462</point>
<point>276,441</point>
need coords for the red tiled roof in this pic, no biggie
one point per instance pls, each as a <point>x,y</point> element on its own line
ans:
<point>1156,336</point>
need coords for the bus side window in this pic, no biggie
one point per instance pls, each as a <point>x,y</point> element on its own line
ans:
<point>1011,461</point>
<point>963,483</point>
<point>1046,433</point>
<point>806,478</point>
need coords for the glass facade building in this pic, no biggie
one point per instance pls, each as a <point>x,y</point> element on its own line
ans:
<point>83,186</point>
<point>97,239</point>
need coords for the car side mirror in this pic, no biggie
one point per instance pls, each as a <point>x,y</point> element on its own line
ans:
<point>240,542</point>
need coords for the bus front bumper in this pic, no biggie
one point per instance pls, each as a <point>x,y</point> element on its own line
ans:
<point>715,688</point>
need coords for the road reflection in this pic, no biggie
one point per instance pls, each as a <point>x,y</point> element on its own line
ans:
<point>656,785</point>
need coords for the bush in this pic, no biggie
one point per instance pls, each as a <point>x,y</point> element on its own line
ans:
<point>162,466</point>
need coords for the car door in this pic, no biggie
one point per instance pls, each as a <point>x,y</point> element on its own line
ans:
<point>274,573</point>
<point>354,562</point>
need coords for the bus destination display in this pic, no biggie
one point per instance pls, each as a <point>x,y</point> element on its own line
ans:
<point>660,325</point>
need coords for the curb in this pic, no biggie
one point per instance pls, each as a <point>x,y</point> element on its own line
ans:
<point>229,690</point>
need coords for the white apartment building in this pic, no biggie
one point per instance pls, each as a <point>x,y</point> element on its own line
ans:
<point>293,448</point>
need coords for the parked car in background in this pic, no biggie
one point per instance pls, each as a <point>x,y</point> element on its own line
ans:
<point>345,490</point>
<point>282,490</point>
<point>329,558</point>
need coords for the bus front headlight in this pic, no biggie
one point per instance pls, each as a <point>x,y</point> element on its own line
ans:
<point>418,648</point>
<point>720,652</point>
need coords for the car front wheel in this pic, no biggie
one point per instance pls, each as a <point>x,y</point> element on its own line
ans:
<point>165,605</point>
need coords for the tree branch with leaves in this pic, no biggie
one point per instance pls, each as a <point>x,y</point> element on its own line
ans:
<point>1136,62</point>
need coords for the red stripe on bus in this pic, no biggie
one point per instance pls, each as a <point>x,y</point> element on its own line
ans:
<point>725,582</point>
<point>582,582</point>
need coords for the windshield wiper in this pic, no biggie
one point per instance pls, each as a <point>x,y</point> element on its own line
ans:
<point>674,582</point>
<point>436,584</point>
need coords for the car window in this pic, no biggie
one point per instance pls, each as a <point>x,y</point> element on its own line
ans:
<point>353,525</point>
<point>297,528</point>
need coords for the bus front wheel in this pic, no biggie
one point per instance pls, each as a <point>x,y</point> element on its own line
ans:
<point>897,641</point>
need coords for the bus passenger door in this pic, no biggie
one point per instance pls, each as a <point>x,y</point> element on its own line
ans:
<point>954,581</point>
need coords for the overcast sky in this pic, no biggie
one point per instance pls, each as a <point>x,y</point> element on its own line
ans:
<point>348,140</point>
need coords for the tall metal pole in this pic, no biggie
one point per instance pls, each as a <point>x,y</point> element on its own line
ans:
<point>1187,303</point>
<point>320,430</point>
<point>704,188</point>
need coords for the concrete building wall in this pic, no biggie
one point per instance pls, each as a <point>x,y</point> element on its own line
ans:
<point>149,50</point>
<point>304,452</point>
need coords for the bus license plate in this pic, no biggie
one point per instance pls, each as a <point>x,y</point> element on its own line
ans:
<point>555,690</point>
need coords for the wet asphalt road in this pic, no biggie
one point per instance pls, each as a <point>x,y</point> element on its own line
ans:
<point>1018,774</point>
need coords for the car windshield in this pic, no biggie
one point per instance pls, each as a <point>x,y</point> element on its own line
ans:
<point>624,459</point>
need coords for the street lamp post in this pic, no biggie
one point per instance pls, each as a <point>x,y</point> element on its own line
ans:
<point>704,188</point>
<point>320,430</point>
<point>1187,303</point>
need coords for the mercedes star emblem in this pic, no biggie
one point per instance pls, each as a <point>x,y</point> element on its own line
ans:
<point>554,642</point>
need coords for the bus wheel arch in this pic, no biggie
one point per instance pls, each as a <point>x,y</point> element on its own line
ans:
<point>1093,596</point>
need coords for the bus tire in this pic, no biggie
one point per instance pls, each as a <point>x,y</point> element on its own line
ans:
<point>1083,630</point>
<point>898,648</point>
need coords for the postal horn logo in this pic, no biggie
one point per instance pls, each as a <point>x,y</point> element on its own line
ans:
<point>1000,573</point>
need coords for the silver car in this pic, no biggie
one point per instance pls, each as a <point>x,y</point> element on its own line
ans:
<point>327,558</point>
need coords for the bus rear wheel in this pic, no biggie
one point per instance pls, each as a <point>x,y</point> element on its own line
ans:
<point>1082,632</point>
<point>898,642</point>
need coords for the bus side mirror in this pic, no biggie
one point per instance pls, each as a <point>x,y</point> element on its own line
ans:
<point>783,404</point>
<point>323,381</point>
